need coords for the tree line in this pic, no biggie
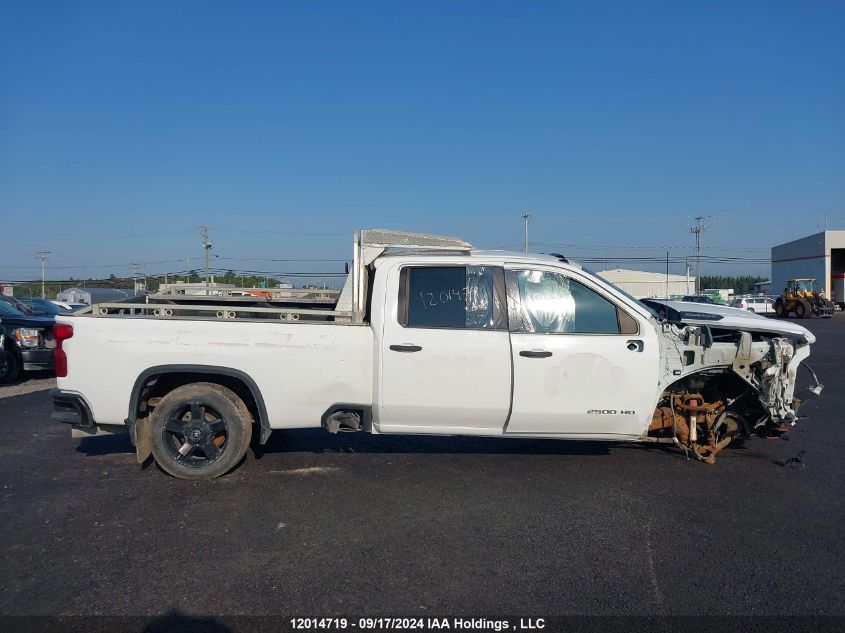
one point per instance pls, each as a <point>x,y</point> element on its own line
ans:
<point>742,284</point>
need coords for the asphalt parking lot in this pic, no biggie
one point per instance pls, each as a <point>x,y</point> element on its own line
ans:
<point>317,525</point>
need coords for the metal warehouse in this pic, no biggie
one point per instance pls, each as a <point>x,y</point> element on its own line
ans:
<point>820,256</point>
<point>643,284</point>
<point>91,296</point>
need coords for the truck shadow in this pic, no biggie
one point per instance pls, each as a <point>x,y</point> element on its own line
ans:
<point>320,441</point>
<point>105,445</point>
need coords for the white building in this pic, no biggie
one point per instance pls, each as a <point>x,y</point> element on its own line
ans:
<point>90,296</point>
<point>644,284</point>
<point>819,256</point>
<point>763,287</point>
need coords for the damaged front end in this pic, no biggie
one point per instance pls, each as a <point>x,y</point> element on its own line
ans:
<point>722,385</point>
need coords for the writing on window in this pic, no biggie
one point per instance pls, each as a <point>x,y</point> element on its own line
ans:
<point>466,297</point>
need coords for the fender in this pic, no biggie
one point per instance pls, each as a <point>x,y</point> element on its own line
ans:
<point>140,437</point>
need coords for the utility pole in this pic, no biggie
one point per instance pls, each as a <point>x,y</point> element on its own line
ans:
<point>698,229</point>
<point>136,273</point>
<point>206,246</point>
<point>525,217</point>
<point>42,255</point>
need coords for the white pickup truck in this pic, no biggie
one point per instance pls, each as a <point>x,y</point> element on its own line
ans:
<point>429,336</point>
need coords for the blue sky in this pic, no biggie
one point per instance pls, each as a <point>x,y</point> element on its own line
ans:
<point>284,126</point>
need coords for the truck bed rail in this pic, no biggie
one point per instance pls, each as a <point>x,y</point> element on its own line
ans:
<point>215,312</point>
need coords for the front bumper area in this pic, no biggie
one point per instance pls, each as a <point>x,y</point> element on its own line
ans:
<point>70,408</point>
<point>37,359</point>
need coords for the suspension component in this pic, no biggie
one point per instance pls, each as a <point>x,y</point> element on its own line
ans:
<point>702,427</point>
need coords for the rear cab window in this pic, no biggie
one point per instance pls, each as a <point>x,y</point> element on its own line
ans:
<point>455,297</point>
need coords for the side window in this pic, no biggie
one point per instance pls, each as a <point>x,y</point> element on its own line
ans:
<point>544,302</point>
<point>463,297</point>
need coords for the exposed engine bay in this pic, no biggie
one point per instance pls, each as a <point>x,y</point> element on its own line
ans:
<point>726,385</point>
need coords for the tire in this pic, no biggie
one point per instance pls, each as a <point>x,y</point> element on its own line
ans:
<point>800,310</point>
<point>200,431</point>
<point>751,310</point>
<point>11,369</point>
<point>780,309</point>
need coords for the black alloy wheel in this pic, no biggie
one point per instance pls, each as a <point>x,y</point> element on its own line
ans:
<point>199,431</point>
<point>195,435</point>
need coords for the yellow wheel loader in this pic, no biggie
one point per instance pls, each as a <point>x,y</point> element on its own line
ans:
<point>802,297</point>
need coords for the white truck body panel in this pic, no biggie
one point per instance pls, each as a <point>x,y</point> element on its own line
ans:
<point>736,318</point>
<point>301,369</point>
<point>460,380</point>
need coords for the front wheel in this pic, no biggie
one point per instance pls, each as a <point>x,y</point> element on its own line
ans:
<point>751,310</point>
<point>10,369</point>
<point>800,310</point>
<point>200,431</point>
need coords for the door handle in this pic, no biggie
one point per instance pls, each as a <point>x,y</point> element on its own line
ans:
<point>635,346</point>
<point>535,354</point>
<point>405,348</point>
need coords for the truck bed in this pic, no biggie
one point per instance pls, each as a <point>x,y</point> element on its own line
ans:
<point>301,369</point>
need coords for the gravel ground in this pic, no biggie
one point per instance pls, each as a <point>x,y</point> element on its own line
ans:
<point>34,382</point>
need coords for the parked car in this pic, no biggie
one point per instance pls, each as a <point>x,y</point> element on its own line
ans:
<point>760,305</point>
<point>2,347</point>
<point>70,307</point>
<point>429,336</point>
<point>41,307</point>
<point>29,341</point>
<point>698,299</point>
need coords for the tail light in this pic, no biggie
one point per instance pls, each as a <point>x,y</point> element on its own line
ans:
<point>61,333</point>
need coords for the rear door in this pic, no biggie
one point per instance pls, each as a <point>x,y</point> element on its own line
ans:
<point>583,365</point>
<point>445,362</point>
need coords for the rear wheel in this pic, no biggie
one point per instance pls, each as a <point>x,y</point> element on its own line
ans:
<point>780,308</point>
<point>800,310</point>
<point>751,310</point>
<point>200,431</point>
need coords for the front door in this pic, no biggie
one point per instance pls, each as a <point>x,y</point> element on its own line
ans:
<point>445,357</point>
<point>582,365</point>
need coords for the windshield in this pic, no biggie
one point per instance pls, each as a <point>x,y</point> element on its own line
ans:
<point>8,310</point>
<point>651,311</point>
<point>19,306</point>
<point>42,306</point>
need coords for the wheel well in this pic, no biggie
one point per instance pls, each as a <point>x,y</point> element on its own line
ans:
<point>720,385</point>
<point>155,383</point>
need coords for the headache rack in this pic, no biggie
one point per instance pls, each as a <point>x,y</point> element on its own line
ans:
<point>350,309</point>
